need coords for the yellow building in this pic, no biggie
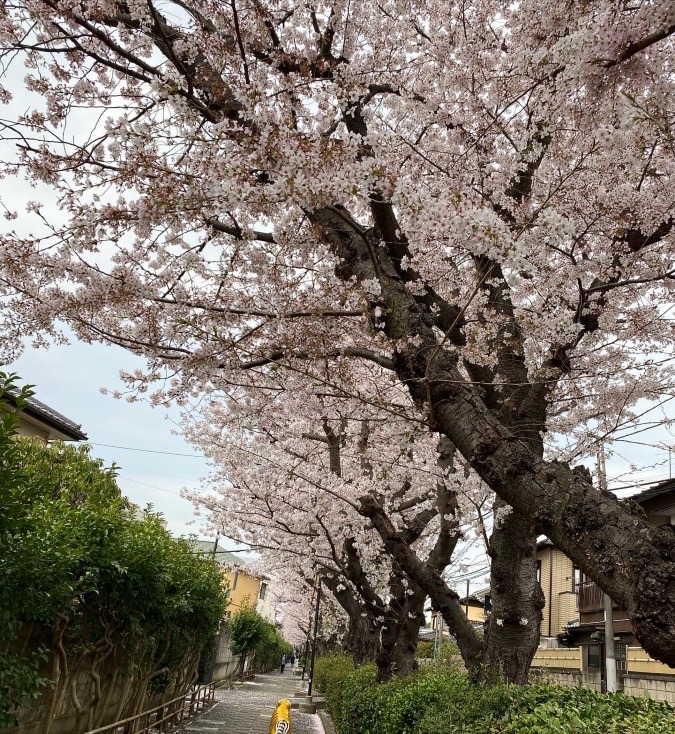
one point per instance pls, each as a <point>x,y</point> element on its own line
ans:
<point>246,589</point>
<point>474,607</point>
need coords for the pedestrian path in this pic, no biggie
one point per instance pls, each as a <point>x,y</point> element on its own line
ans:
<point>248,707</point>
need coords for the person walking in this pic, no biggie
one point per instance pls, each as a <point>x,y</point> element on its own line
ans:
<point>293,660</point>
<point>283,662</point>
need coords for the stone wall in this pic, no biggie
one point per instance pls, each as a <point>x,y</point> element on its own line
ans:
<point>643,675</point>
<point>225,662</point>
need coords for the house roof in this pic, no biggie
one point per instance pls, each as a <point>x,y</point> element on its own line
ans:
<point>40,411</point>
<point>478,597</point>
<point>205,548</point>
<point>666,487</point>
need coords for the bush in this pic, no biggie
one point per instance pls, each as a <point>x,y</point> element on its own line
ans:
<point>330,674</point>
<point>77,563</point>
<point>425,649</point>
<point>250,633</point>
<point>440,700</point>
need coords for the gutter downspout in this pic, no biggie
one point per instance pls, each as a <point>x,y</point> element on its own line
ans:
<point>550,589</point>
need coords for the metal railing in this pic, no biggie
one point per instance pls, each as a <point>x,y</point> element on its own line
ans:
<point>160,718</point>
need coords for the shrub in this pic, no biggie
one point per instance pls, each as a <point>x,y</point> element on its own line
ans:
<point>425,650</point>
<point>440,700</point>
<point>251,633</point>
<point>77,564</point>
<point>330,674</point>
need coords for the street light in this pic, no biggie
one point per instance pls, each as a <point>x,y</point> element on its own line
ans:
<point>316,627</point>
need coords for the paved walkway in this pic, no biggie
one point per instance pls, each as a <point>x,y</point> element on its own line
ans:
<point>248,707</point>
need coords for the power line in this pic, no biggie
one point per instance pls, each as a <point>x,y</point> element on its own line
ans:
<point>147,451</point>
<point>151,486</point>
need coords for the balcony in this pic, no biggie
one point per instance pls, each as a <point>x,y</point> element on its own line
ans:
<point>589,598</point>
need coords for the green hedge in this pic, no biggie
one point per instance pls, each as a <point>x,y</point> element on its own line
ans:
<point>440,700</point>
<point>77,563</point>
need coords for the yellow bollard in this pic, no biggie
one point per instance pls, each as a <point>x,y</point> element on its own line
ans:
<point>281,718</point>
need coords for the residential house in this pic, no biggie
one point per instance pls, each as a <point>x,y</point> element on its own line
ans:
<point>559,579</point>
<point>477,606</point>
<point>246,588</point>
<point>574,619</point>
<point>40,421</point>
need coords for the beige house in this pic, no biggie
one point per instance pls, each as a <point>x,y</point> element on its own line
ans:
<point>40,421</point>
<point>573,627</point>
<point>559,580</point>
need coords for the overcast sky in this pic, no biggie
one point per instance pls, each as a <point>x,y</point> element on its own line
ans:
<point>155,464</point>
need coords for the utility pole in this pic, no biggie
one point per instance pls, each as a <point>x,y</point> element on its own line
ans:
<point>309,636</point>
<point>439,636</point>
<point>316,629</point>
<point>610,658</point>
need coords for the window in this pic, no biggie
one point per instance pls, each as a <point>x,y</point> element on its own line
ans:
<point>620,650</point>
<point>263,590</point>
<point>577,578</point>
<point>539,571</point>
<point>234,580</point>
<point>593,657</point>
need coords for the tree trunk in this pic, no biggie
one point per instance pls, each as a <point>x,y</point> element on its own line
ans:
<point>362,640</point>
<point>513,627</point>
<point>612,543</point>
<point>430,581</point>
<point>397,654</point>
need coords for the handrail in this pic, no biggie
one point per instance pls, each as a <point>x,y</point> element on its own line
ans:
<point>198,698</point>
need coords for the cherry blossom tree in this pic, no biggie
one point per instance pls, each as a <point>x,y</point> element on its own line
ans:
<point>473,199</point>
<point>293,493</point>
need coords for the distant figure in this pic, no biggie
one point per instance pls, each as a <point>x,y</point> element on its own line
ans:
<point>283,663</point>
<point>293,659</point>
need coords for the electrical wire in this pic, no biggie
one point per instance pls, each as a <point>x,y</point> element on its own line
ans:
<point>147,451</point>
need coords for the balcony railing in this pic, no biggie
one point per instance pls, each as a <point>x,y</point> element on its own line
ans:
<point>590,597</point>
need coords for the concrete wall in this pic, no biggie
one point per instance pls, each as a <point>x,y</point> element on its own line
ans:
<point>26,428</point>
<point>559,658</point>
<point>660,688</point>
<point>225,663</point>
<point>644,675</point>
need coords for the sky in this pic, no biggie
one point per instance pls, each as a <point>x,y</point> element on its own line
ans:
<point>154,463</point>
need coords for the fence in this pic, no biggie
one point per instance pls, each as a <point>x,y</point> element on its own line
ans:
<point>161,717</point>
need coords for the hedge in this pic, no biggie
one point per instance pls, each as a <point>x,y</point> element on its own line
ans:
<point>440,700</point>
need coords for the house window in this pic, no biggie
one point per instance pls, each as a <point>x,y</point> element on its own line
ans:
<point>593,657</point>
<point>539,571</point>
<point>234,581</point>
<point>577,578</point>
<point>263,589</point>
<point>620,651</point>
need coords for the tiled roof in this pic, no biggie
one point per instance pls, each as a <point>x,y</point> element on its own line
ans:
<point>205,548</point>
<point>657,490</point>
<point>42,412</point>
<point>477,596</point>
